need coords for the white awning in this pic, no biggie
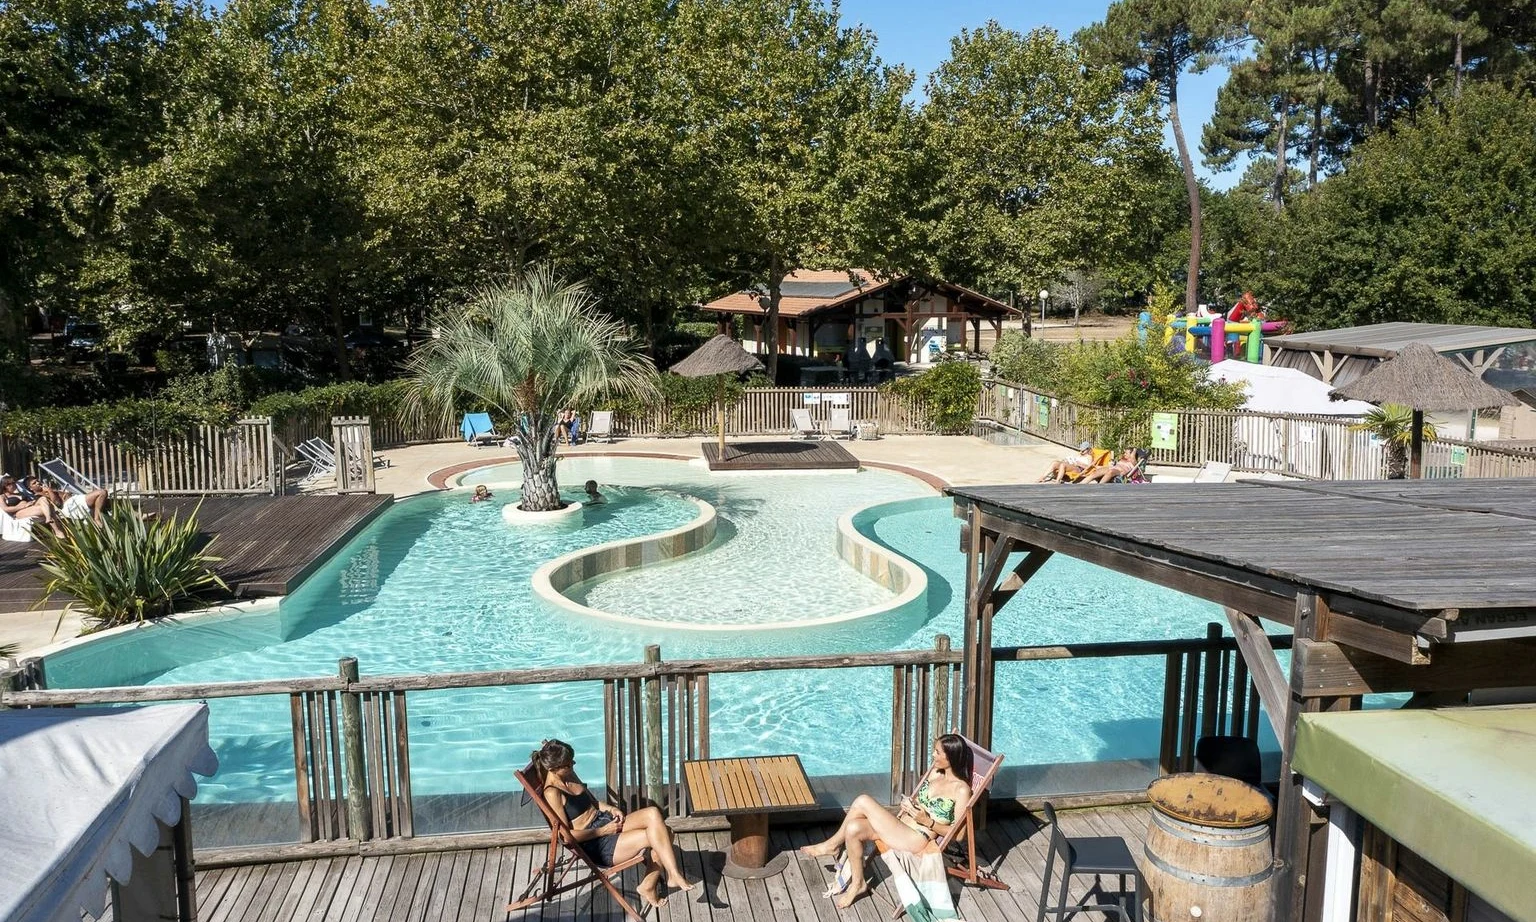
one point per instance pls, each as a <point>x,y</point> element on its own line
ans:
<point>80,790</point>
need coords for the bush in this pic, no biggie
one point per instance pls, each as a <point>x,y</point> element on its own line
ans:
<point>947,393</point>
<point>127,569</point>
<point>134,423</point>
<point>354,398</point>
<point>1028,361</point>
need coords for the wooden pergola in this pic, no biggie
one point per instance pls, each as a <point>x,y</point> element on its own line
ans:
<point>1389,586</point>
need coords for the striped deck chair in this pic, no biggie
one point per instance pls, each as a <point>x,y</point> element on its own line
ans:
<point>565,856</point>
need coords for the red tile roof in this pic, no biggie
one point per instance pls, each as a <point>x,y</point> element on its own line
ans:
<point>810,291</point>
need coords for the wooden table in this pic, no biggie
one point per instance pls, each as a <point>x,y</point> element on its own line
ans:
<point>747,790</point>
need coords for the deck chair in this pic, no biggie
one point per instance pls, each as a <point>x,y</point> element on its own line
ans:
<point>984,766</point>
<point>601,426</point>
<point>840,423</point>
<point>67,477</point>
<point>565,856</point>
<point>322,466</point>
<point>478,430</point>
<point>805,427</point>
<point>328,451</point>
<point>1098,457</point>
<point>1213,472</point>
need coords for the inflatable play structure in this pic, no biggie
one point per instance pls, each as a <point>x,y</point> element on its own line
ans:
<point>1243,330</point>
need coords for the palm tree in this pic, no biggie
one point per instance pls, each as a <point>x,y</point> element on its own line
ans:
<point>1392,423</point>
<point>527,349</point>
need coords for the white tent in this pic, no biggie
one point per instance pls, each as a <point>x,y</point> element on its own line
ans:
<point>83,790</point>
<point>1272,389</point>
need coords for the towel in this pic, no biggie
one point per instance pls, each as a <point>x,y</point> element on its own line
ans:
<point>13,530</point>
<point>921,884</point>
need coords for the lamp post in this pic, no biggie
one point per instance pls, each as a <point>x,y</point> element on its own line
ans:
<point>1045,296</point>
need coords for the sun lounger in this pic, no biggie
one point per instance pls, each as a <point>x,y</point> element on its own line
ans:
<point>805,427</point>
<point>564,856</point>
<point>840,423</point>
<point>67,477</point>
<point>601,426</point>
<point>478,430</point>
<point>1213,472</point>
<point>14,529</point>
<point>322,465</point>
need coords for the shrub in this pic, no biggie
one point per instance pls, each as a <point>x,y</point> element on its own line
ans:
<point>127,569</point>
<point>1028,361</point>
<point>133,423</point>
<point>353,398</point>
<point>947,393</point>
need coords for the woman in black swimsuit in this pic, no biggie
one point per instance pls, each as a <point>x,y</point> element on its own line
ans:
<point>606,834</point>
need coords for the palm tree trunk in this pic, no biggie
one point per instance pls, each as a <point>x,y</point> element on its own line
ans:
<point>536,451</point>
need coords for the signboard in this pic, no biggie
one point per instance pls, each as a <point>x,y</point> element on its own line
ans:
<point>1165,430</point>
<point>837,400</point>
<point>1043,411</point>
<point>1459,455</point>
<point>812,398</point>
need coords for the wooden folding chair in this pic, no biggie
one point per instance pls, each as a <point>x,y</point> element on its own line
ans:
<point>984,766</point>
<point>566,855</point>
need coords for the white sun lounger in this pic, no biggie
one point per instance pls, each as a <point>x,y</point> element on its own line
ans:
<point>601,426</point>
<point>840,423</point>
<point>805,427</point>
<point>1213,472</point>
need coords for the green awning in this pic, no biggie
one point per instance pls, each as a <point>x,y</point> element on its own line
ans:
<point>1455,785</point>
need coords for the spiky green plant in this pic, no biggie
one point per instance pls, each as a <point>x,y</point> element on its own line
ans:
<point>127,568</point>
<point>525,350</point>
<point>1392,424</point>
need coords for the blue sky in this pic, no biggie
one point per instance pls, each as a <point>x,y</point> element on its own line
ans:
<point>916,33</point>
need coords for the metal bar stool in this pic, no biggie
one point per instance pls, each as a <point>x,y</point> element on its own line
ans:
<point>1082,855</point>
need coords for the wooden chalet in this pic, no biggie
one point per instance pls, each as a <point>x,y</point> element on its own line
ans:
<point>1419,587</point>
<point>822,312</point>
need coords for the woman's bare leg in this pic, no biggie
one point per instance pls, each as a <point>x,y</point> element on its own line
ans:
<point>886,827</point>
<point>648,829</point>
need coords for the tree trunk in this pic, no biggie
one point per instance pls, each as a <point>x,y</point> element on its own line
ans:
<point>1397,461</point>
<point>1459,67</point>
<point>1316,143</point>
<point>1192,286</point>
<point>771,324</point>
<point>1368,89</point>
<point>536,451</point>
<point>1284,120</point>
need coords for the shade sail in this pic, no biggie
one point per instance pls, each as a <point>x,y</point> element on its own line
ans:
<point>1453,785</point>
<point>83,789</point>
<point>1272,389</point>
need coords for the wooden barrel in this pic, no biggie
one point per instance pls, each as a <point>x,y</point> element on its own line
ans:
<point>1208,852</point>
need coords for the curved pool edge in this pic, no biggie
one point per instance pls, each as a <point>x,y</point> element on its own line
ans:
<point>101,641</point>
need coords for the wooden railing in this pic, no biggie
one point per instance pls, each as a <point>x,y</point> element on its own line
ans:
<point>238,459</point>
<point>1310,447</point>
<point>765,411</point>
<point>352,755</point>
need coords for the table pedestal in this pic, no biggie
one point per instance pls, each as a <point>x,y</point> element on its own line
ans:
<point>747,858</point>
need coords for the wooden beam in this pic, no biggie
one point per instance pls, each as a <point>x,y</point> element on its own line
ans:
<point>1330,669</point>
<point>1263,598</point>
<point>1268,679</point>
<point>1021,574</point>
<point>1384,641</point>
<point>992,566</point>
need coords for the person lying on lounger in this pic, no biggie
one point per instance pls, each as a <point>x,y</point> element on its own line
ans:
<point>916,825</point>
<point>1071,468</point>
<point>1129,461</point>
<point>72,505</point>
<point>606,833</point>
<point>21,508</point>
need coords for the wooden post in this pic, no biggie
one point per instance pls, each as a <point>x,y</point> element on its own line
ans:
<point>186,868</point>
<point>1293,815</point>
<point>359,818</point>
<point>1416,446</point>
<point>653,773</point>
<point>941,691</point>
<point>1210,707</point>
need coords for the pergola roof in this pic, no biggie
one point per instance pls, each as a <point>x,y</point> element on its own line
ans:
<point>814,291</point>
<point>1444,559</point>
<point>1383,340</point>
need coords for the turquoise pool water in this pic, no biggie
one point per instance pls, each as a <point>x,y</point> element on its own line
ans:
<point>440,585</point>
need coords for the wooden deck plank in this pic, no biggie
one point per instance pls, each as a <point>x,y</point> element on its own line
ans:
<point>268,544</point>
<point>476,885</point>
<point>805,455</point>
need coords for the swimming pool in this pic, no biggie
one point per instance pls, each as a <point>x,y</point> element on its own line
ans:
<point>440,585</point>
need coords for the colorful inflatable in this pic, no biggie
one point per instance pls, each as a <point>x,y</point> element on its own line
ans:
<point>1247,336</point>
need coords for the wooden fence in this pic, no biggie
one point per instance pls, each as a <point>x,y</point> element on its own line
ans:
<point>1309,447</point>
<point>765,411</point>
<point>239,459</point>
<point>352,756</point>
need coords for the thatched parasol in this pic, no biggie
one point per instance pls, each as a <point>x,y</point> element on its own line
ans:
<point>1422,379</point>
<point>717,358</point>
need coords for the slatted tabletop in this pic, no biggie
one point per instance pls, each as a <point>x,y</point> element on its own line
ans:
<point>756,784</point>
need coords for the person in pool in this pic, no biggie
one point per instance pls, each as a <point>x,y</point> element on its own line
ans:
<point>606,833</point>
<point>916,826</point>
<point>594,498</point>
<point>482,493</point>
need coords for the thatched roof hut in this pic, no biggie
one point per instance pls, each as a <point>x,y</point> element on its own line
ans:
<point>720,356</point>
<point>1421,378</point>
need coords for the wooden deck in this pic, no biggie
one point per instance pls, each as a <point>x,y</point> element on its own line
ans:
<point>268,544</point>
<point>476,885</point>
<point>807,455</point>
